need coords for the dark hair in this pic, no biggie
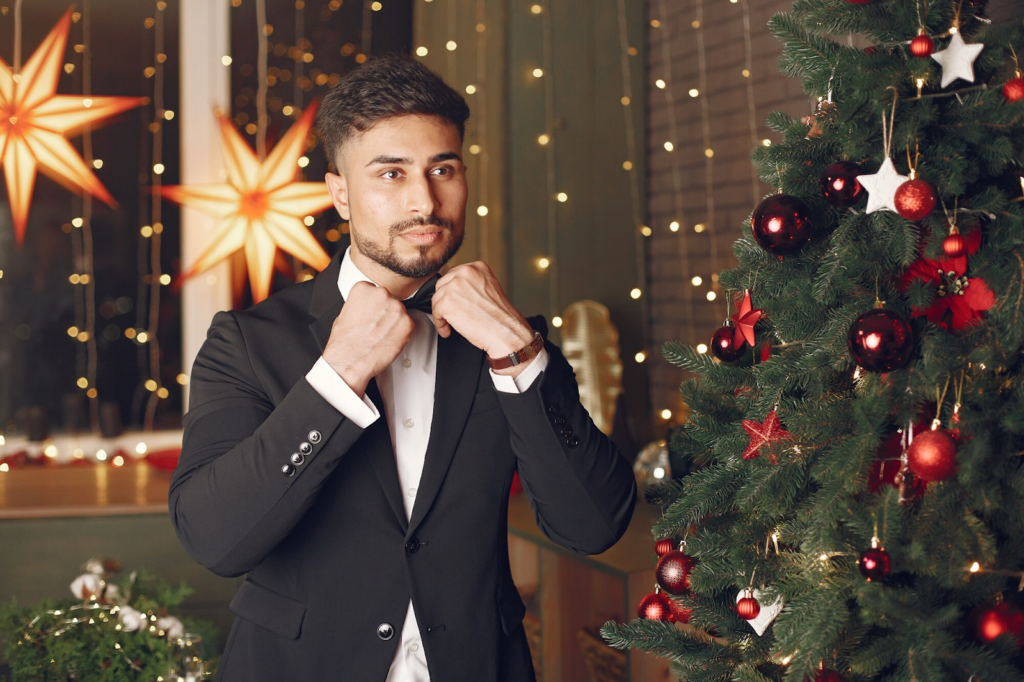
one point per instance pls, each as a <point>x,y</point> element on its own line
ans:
<point>385,86</point>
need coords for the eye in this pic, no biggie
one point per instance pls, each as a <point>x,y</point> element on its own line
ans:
<point>385,174</point>
<point>445,170</point>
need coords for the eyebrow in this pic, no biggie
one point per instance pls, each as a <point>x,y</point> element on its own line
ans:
<point>401,160</point>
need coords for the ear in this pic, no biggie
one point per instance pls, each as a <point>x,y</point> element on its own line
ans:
<point>337,185</point>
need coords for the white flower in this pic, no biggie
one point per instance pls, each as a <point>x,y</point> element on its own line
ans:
<point>131,620</point>
<point>112,594</point>
<point>86,585</point>
<point>172,626</point>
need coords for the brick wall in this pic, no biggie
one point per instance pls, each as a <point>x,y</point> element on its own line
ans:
<point>678,309</point>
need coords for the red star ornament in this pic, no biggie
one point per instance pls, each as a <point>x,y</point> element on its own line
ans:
<point>960,300</point>
<point>745,318</point>
<point>762,434</point>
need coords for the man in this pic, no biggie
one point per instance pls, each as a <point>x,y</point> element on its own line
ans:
<point>351,447</point>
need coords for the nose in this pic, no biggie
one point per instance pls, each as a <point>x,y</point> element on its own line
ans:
<point>421,198</point>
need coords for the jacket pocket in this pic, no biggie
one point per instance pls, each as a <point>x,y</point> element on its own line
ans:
<point>484,400</point>
<point>511,610</point>
<point>268,609</point>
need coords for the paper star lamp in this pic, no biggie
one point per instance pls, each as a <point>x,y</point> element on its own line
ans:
<point>957,60</point>
<point>882,187</point>
<point>259,208</point>
<point>745,318</point>
<point>762,434</point>
<point>35,123</point>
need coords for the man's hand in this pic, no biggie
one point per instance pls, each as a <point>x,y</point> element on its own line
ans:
<point>368,335</point>
<point>470,300</point>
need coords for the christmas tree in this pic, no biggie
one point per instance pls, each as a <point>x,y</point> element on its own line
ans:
<point>857,509</point>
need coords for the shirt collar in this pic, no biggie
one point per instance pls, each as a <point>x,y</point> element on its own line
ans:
<point>350,274</point>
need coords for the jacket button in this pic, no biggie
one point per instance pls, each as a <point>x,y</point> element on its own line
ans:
<point>552,409</point>
<point>412,546</point>
<point>573,442</point>
<point>566,432</point>
<point>385,631</point>
<point>297,459</point>
<point>305,448</point>
<point>314,437</point>
<point>288,470</point>
<point>559,420</point>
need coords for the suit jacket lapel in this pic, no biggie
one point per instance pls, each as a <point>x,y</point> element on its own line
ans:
<point>457,374</point>
<point>325,306</point>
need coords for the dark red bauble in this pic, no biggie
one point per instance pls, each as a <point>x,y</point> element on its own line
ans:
<point>724,346</point>
<point>915,199</point>
<point>748,608</point>
<point>954,245</point>
<point>679,614</point>
<point>1013,91</point>
<point>839,184</point>
<point>992,621</point>
<point>673,572</point>
<point>922,46</point>
<point>781,224</point>
<point>881,340</point>
<point>655,606</point>
<point>826,675</point>
<point>858,2</point>
<point>874,564</point>
<point>932,455</point>
<point>663,547</point>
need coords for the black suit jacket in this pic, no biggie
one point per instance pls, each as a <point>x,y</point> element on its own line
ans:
<point>331,559</point>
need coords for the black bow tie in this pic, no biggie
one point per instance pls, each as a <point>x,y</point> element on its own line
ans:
<point>421,300</point>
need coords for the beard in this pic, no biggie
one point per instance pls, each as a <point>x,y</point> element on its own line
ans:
<point>419,266</point>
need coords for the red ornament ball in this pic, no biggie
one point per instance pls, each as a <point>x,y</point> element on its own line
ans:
<point>992,621</point>
<point>663,547</point>
<point>679,614</point>
<point>839,184</point>
<point>724,345</point>
<point>881,340</point>
<point>932,455</point>
<point>915,199</point>
<point>655,606</point>
<point>922,46</point>
<point>826,675</point>
<point>954,245</point>
<point>748,608</point>
<point>874,564</point>
<point>781,224</point>
<point>1013,91</point>
<point>673,572</point>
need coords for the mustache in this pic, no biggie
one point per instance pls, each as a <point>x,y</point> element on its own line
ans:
<point>437,221</point>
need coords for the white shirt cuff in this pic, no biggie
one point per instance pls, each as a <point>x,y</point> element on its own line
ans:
<point>334,390</point>
<point>521,383</point>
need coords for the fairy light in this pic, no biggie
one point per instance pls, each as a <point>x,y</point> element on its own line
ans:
<point>543,263</point>
<point>664,35</point>
<point>674,226</point>
<point>697,281</point>
<point>702,348</point>
<point>640,357</point>
<point>666,414</point>
<point>556,321</point>
<point>748,65</point>
<point>975,567</point>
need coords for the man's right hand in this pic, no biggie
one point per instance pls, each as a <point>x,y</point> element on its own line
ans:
<point>366,337</point>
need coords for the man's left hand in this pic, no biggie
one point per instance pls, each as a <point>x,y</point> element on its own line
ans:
<point>469,299</point>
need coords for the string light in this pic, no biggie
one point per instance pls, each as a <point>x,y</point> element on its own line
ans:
<point>543,263</point>
<point>702,348</point>
<point>697,281</point>
<point>674,226</point>
<point>748,60</point>
<point>705,116</point>
<point>666,414</point>
<point>640,357</point>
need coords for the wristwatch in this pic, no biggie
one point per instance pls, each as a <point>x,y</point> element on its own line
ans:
<point>520,356</point>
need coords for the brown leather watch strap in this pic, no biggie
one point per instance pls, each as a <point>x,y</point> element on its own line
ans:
<point>520,356</point>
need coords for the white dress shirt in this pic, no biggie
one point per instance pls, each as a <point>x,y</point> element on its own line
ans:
<point>407,391</point>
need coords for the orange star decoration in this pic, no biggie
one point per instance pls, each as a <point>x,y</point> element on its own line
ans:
<point>762,434</point>
<point>35,123</point>
<point>260,208</point>
<point>745,318</point>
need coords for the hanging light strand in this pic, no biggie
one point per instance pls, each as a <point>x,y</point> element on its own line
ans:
<point>634,171</point>
<point>366,39</point>
<point>483,155</point>
<point>88,265</point>
<point>755,185</point>
<point>155,280</point>
<point>261,75</point>
<point>552,178</point>
<point>300,37</point>
<point>709,162</point>
<point>17,38</point>
<point>677,175</point>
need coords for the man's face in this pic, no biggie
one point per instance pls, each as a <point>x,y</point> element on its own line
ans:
<point>402,187</point>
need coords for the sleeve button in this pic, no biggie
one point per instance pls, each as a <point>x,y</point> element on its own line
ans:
<point>297,458</point>
<point>314,437</point>
<point>305,448</point>
<point>288,470</point>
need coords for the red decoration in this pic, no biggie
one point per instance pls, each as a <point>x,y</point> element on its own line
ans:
<point>858,2</point>
<point>932,455</point>
<point>679,613</point>
<point>992,621</point>
<point>922,46</point>
<point>839,184</point>
<point>673,572</point>
<point>781,225</point>
<point>663,547</point>
<point>727,344</point>
<point>881,340</point>
<point>655,606</point>
<point>1013,90</point>
<point>915,199</point>
<point>826,675</point>
<point>747,608</point>
<point>885,470</point>
<point>874,564</point>
<point>745,318</point>
<point>763,433</point>
<point>954,245</point>
<point>961,300</point>
<point>766,352</point>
